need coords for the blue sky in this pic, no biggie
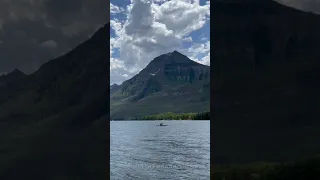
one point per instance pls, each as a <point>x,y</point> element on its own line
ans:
<point>144,29</point>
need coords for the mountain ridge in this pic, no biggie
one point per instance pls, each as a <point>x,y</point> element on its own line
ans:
<point>58,114</point>
<point>15,74</point>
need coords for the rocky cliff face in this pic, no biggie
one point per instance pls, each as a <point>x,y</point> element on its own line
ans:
<point>265,65</point>
<point>171,75</point>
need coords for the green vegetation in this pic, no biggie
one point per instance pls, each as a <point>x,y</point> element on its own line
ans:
<point>180,116</point>
<point>304,169</point>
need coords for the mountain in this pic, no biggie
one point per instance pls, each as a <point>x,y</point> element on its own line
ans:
<point>170,83</point>
<point>53,125</point>
<point>7,80</point>
<point>12,76</point>
<point>265,74</point>
<point>113,88</point>
<point>8,85</point>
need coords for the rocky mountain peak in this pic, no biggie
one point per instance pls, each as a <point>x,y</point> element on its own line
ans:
<point>172,58</point>
<point>12,76</point>
<point>17,72</point>
<point>171,78</point>
<point>166,73</point>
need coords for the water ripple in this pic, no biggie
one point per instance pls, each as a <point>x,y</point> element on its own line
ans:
<point>141,150</point>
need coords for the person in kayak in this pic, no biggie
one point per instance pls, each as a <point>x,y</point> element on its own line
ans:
<point>161,124</point>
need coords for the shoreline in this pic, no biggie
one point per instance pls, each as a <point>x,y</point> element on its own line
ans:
<point>268,170</point>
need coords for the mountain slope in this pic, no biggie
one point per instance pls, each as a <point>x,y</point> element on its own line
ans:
<point>13,76</point>
<point>57,119</point>
<point>9,84</point>
<point>170,83</point>
<point>265,65</point>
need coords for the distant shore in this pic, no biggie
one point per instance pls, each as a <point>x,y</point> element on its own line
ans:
<point>161,120</point>
<point>170,116</point>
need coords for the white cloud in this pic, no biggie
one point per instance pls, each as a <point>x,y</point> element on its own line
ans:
<point>116,26</point>
<point>152,29</point>
<point>50,44</point>
<point>205,60</point>
<point>112,40</point>
<point>187,39</point>
<point>115,64</point>
<point>182,17</point>
<point>199,53</point>
<point>200,48</point>
<point>160,1</point>
<point>115,9</point>
<point>203,38</point>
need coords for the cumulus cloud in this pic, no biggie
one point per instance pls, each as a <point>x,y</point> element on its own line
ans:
<point>153,28</point>
<point>200,48</point>
<point>206,60</point>
<point>115,9</point>
<point>50,44</point>
<point>199,52</point>
<point>25,24</point>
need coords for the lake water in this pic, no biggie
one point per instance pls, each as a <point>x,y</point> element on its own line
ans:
<point>142,150</point>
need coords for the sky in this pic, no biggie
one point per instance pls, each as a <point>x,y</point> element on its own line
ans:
<point>144,29</point>
<point>35,31</point>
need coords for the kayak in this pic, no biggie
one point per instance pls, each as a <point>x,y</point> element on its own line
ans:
<point>161,125</point>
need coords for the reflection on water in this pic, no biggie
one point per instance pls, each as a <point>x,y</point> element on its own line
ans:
<point>142,150</point>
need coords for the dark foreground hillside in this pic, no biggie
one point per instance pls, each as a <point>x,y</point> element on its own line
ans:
<point>294,170</point>
<point>54,123</point>
<point>266,68</point>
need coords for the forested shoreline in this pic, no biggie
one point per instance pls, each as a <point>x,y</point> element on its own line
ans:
<point>178,116</point>
<point>173,116</point>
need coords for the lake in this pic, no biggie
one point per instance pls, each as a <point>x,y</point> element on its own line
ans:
<point>142,150</point>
